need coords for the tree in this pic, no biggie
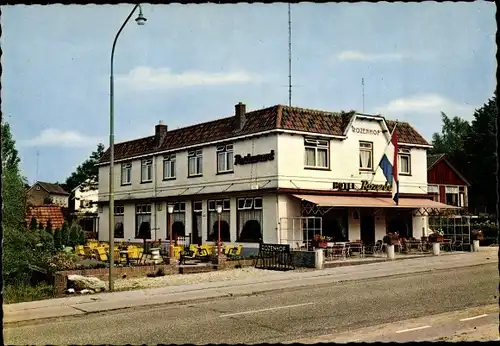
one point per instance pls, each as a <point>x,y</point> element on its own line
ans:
<point>81,237</point>
<point>86,171</point>
<point>40,225</point>
<point>481,150</point>
<point>65,234</point>
<point>33,224</point>
<point>451,141</point>
<point>73,234</point>
<point>48,227</point>
<point>10,155</point>
<point>57,239</point>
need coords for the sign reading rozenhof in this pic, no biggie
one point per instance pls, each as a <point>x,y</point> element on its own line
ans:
<point>245,160</point>
<point>365,186</point>
<point>365,131</point>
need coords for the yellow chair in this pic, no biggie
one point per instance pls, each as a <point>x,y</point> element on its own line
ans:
<point>177,251</point>
<point>133,252</point>
<point>93,245</point>
<point>193,248</point>
<point>208,248</point>
<point>102,253</point>
<point>227,248</point>
<point>79,250</point>
<point>237,252</point>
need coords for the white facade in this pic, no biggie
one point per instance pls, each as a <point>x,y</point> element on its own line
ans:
<point>283,168</point>
<point>86,198</point>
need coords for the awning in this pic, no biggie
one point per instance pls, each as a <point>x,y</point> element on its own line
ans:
<point>372,202</point>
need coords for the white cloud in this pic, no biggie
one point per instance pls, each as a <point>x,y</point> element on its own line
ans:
<point>426,105</point>
<point>146,78</point>
<point>353,55</point>
<point>60,138</point>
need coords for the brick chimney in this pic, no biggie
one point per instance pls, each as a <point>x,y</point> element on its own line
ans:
<point>160,133</point>
<point>239,115</point>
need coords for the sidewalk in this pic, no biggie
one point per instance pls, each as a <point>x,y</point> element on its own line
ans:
<point>79,305</point>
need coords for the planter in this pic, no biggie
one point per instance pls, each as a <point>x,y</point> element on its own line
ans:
<point>390,251</point>
<point>155,254</point>
<point>319,258</point>
<point>323,244</point>
<point>475,245</point>
<point>435,249</point>
<point>330,243</point>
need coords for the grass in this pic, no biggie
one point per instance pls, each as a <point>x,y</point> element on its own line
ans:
<point>25,293</point>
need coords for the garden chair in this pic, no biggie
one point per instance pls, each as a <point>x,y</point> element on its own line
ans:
<point>227,249</point>
<point>378,248</point>
<point>79,250</point>
<point>194,248</point>
<point>446,244</point>
<point>234,252</point>
<point>102,253</point>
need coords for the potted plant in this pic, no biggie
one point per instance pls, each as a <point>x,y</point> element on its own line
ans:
<point>476,235</point>
<point>387,240</point>
<point>320,241</point>
<point>435,238</point>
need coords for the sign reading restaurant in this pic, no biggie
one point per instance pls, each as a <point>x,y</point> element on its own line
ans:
<point>365,186</point>
<point>365,131</point>
<point>245,160</point>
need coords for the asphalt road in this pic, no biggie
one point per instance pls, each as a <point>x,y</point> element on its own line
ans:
<point>278,316</point>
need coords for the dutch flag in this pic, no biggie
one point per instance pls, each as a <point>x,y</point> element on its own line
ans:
<point>389,164</point>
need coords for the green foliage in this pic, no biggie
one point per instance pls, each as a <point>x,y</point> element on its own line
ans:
<point>87,170</point>
<point>48,227</point>
<point>24,293</point>
<point>40,225</point>
<point>65,234</point>
<point>14,197</point>
<point>57,239</point>
<point>62,261</point>
<point>33,224</point>
<point>10,155</point>
<point>73,234</point>
<point>81,237</point>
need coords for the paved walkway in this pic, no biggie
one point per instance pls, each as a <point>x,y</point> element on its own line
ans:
<point>78,305</point>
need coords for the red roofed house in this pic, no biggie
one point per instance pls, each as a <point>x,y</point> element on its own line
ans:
<point>446,184</point>
<point>43,213</point>
<point>266,171</point>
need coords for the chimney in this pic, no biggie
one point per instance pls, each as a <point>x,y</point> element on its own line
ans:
<point>239,115</point>
<point>160,133</point>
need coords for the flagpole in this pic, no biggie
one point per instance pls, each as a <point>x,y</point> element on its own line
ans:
<point>385,148</point>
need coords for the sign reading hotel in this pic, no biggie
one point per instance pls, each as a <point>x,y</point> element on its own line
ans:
<point>364,186</point>
<point>245,160</point>
<point>365,131</point>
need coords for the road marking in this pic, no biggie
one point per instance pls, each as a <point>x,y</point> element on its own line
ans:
<point>268,309</point>
<point>411,329</point>
<point>473,318</point>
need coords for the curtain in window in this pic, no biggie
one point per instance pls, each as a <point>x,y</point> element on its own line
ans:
<point>143,226</point>
<point>364,158</point>
<point>405,164</point>
<point>322,158</point>
<point>178,225</point>
<point>310,157</point>
<point>221,162</point>
<point>199,162</point>
<point>213,226</point>
<point>192,165</point>
<point>249,225</point>
<point>229,159</point>
<point>119,229</point>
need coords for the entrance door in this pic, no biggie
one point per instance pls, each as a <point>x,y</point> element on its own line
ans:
<point>367,223</point>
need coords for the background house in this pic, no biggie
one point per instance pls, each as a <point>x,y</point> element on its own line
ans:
<point>41,192</point>
<point>446,184</point>
<point>85,198</point>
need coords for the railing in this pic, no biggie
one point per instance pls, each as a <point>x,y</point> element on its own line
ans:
<point>274,257</point>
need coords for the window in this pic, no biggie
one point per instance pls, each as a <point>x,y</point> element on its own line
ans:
<point>195,163</point>
<point>434,191</point>
<point>177,220</point>
<point>452,195</point>
<point>366,156</point>
<point>213,220</point>
<point>196,222</point>
<point>169,166</point>
<point>316,153</point>
<point>126,173</point>
<point>225,158</point>
<point>404,161</point>
<point>143,221</point>
<point>146,170</point>
<point>119,218</point>
<point>249,219</point>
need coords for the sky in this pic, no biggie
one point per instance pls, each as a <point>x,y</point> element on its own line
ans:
<point>193,63</point>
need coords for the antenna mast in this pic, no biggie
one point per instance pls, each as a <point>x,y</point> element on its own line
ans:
<point>363,92</point>
<point>37,156</point>
<point>289,56</point>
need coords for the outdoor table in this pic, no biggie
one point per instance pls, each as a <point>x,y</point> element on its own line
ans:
<point>414,244</point>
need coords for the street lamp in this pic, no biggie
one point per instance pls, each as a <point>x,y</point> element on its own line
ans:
<point>140,21</point>
<point>219,212</point>
<point>170,210</point>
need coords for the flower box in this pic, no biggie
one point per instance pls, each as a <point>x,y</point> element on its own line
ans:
<point>323,244</point>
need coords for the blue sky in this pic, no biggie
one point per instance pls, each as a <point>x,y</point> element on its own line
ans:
<point>193,63</point>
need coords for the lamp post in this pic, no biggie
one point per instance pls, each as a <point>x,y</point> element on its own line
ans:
<point>170,210</point>
<point>140,21</point>
<point>219,212</point>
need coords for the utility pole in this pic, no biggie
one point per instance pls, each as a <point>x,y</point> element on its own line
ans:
<point>289,56</point>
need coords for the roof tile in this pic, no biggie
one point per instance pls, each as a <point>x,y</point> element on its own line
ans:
<point>276,117</point>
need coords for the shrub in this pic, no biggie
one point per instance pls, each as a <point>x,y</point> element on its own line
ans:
<point>33,224</point>
<point>25,293</point>
<point>40,225</point>
<point>73,235</point>
<point>160,272</point>
<point>81,238</point>
<point>65,234</point>
<point>48,227</point>
<point>62,261</point>
<point>57,239</point>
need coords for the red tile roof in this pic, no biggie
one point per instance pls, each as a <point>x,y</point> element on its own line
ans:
<point>276,117</point>
<point>44,213</point>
